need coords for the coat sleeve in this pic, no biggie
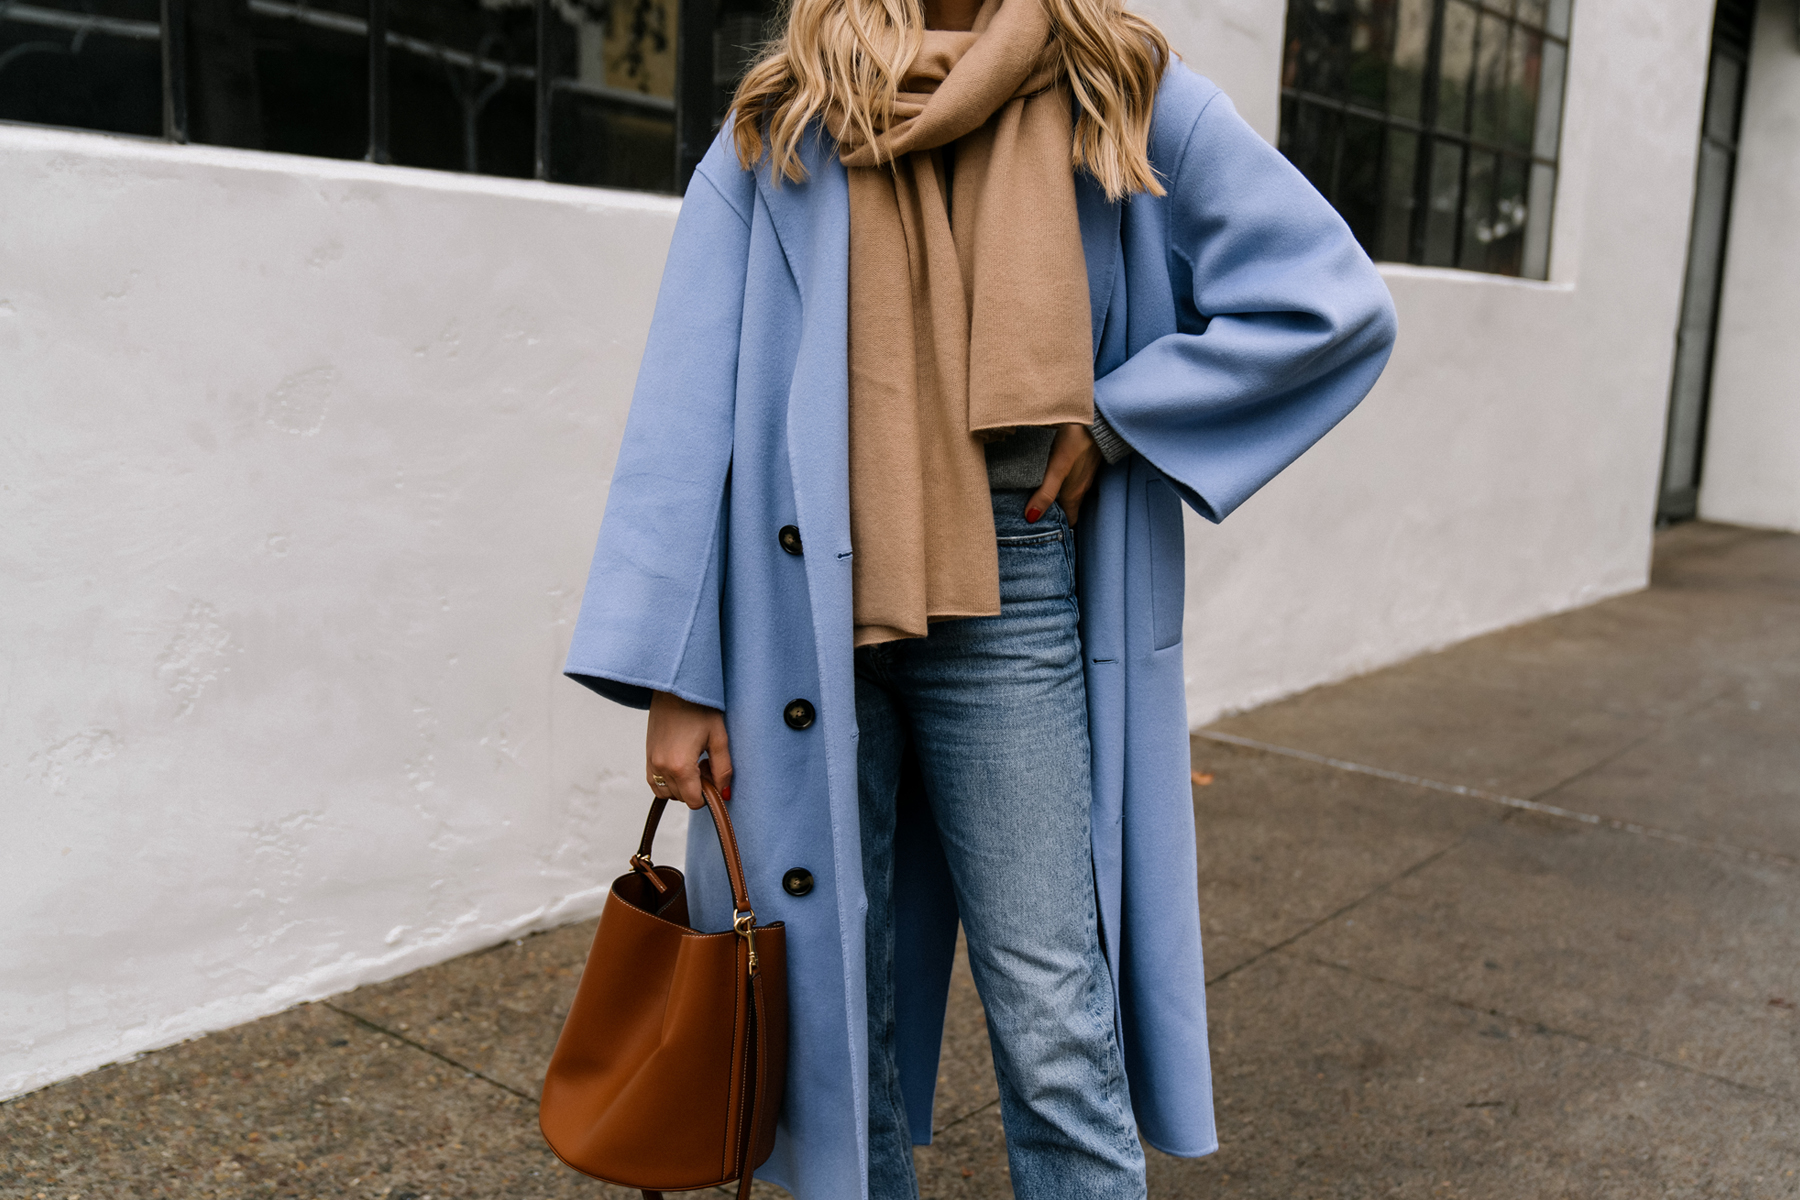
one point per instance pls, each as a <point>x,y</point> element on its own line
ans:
<point>1282,323</point>
<point>650,614</point>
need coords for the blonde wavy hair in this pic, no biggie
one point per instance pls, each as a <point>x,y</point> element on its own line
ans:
<point>847,56</point>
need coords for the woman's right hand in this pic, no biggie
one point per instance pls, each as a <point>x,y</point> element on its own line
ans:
<point>679,732</point>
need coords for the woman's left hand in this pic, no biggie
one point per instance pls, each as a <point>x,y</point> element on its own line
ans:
<point>1074,461</point>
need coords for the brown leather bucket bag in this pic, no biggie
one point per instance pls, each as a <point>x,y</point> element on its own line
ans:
<point>669,1072</point>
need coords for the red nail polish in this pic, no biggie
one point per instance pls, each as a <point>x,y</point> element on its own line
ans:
<point>1032,514</point>
<point>727,792</point>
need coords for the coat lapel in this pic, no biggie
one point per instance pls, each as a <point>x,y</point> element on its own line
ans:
<point>1099,244</point>
<point>812,224</point>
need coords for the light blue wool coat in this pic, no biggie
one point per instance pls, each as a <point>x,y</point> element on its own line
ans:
<point>1235,322</point>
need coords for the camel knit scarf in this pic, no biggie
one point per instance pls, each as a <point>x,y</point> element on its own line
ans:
<point>959,331</point>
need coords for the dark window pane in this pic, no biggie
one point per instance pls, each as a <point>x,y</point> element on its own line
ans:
<point>1310,139</point>
<point>1456,65</point>
<point>1478,212</point>
<point>1358,192</point>
<point>1285,135</point>
<point>462,78</point>
<point>1398,196</point>
<point>613,93</point>
<point>1488,107</point>
<point>1512,211</point>
<point>224,105</point>
<point>741,30</point>
<point>1369,39</point>
<point>744,26</point>
<point>91,64</point>
<point>310,70</point>
<point>1524,69</point>
<point>1443,204</point>
<point>1495,210</point>
<point>1411,45</point>
<point>604,144</point>
<point>1319,32</point>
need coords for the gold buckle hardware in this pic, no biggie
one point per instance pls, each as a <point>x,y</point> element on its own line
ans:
<point>744,923</point>
<point>642,865</point>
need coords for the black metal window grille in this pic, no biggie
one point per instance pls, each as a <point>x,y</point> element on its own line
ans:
<point>621,93</point>
<point>1433,126</point>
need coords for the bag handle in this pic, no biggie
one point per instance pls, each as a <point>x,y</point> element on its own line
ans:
<point>734,863</point>
<point>744,922</point>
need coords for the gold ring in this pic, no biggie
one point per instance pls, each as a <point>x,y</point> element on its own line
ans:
<point>657,781</point>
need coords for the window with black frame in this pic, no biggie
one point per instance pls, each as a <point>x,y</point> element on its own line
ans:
<point>616,93</point>
<point>1432,125</point>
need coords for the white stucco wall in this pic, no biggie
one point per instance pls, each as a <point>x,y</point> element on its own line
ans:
<point>1752,469</point>
<point>304,461</point>
<point>1234,43</point>
<point>301,469</point>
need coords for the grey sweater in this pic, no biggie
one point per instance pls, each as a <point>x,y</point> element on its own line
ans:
<point>1018,461</point>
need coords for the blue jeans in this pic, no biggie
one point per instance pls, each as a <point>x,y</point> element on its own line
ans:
<point>995,711</point>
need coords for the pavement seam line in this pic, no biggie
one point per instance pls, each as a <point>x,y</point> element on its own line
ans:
<point>1348,906</point>
<point>472,1072</point>
<point>424,1049</point>
<point>977,1111</point>
<point>1540,1026</point>
<point>1514,802</point>
<point>1662,727</point>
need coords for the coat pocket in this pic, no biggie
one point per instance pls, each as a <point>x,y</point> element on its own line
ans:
<point>1168,564</point>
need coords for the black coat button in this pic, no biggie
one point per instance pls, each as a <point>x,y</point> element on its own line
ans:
<point>798,714</point>
<point>797,882</point>
<point>789,537</point>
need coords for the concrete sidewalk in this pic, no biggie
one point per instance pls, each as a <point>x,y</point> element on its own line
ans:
<point>1519,919</point>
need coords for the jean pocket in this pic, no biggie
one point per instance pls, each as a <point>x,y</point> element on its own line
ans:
<point>1032,539</point>
<point>1034,567</point>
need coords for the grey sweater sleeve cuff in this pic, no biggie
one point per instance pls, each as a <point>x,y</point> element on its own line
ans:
<point>1113,448</point>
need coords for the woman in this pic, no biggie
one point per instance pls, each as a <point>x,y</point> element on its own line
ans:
<point>960,308</point>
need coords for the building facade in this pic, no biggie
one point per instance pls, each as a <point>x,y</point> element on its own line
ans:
<point>310,428</point>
